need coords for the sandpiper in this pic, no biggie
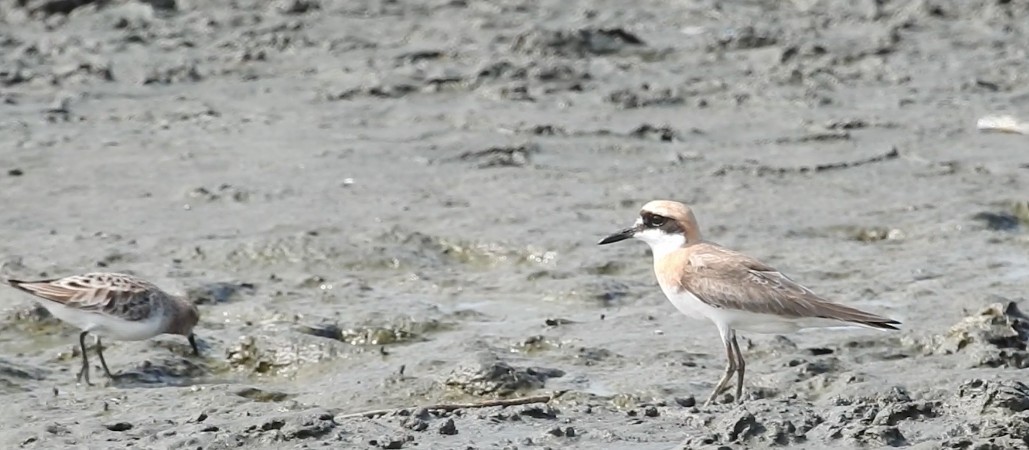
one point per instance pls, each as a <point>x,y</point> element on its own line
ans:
<point>114,305</point>
<point>733,290</point>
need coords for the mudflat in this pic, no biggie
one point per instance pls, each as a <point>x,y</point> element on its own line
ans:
<point>394,204</point>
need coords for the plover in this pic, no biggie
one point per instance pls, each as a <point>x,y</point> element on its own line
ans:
<point>114,305</point>
<point>733,290</point>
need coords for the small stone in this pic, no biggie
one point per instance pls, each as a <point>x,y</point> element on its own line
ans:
<point>15,172</point>
<point>388,443</point>
<point>415,424</point>
<point>60,105</point>
<point>539,411</point>
<point>570,432</point>
<point>556,431</point>
<point>651,411</point>
<point>296,6</point>
<point>120,426</point>
<point>686,402</point>
<point>56,428</point>
<point>448,428</point>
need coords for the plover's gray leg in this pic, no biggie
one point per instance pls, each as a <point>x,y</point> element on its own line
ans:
<point>728,336</point>
<point>741,367</point>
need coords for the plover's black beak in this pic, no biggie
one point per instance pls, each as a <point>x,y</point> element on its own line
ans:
<point>193,343</point>
<point>619,236</point>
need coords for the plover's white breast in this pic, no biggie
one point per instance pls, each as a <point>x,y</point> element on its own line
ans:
<point>689,304</point>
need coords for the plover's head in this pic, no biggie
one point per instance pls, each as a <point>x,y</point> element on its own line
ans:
<point>664,225</point>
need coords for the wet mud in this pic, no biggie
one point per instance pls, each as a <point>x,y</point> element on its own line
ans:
<point>391,204</point>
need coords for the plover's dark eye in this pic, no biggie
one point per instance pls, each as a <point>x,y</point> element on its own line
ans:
<point>653,220</point>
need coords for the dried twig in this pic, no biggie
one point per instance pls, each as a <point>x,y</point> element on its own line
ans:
<point>455,406</point>
<point>761,169</point>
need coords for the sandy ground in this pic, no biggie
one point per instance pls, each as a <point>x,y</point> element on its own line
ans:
<point>390,204</point>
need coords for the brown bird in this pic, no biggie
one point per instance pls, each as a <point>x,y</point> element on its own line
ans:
<point>736,292</point>
<point>114,305</point>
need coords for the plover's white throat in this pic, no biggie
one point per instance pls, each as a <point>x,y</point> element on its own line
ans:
<point>733,290</point>
<point>114,305</point>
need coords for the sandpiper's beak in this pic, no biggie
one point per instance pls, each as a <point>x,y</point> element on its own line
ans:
<point>193,343</point>
<point>619,236</point>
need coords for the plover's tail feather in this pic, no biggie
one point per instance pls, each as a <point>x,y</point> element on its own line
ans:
<point>884,324</point>
<point>825,309</point>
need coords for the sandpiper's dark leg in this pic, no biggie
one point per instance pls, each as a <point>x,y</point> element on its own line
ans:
<point>84,372</point>
<point>730,368</point>
<point>741,367</point>
<point>100,352</point>
<point>193,343</point>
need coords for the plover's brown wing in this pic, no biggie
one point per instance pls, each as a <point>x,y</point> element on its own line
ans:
<point>119,295</point>
<point>726,279</point>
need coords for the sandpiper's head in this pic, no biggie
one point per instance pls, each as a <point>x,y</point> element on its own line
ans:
<point>186,318</point>
<point>664,225</point>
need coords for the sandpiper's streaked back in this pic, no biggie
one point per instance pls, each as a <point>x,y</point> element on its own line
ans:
<point>733,290</point>
<point>114,305</point>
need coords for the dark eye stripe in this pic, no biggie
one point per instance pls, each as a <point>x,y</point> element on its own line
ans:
<point>653,220</point>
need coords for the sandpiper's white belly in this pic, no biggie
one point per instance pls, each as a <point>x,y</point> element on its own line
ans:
<point>106,325</point>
